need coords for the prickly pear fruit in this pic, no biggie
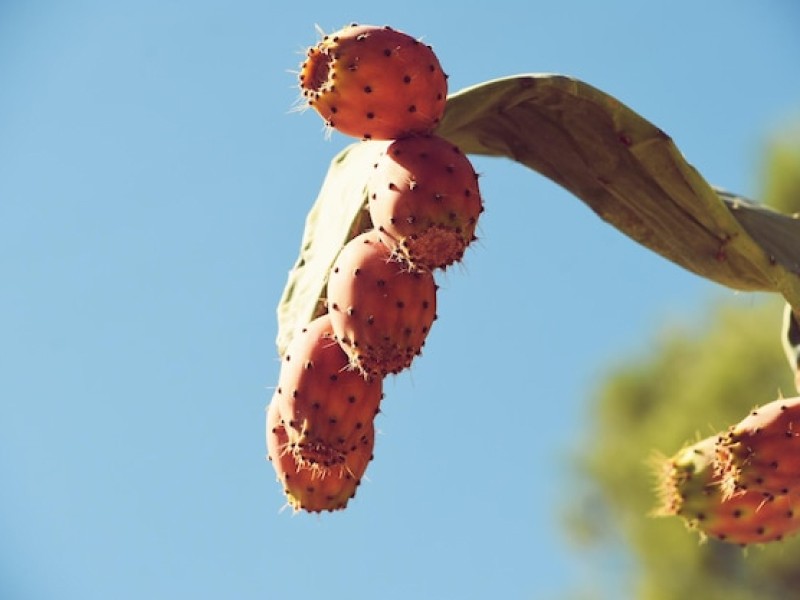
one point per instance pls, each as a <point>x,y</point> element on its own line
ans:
<point>325,405</point>
<point>310,487</point>
<point>374,82</point>
<point>762,452</point>
<point>381,308</point>
<point>689,486</point>
<point>424,200</point>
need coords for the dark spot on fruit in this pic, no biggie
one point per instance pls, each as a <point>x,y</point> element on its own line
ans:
<point>407,79</point>
<point>367,89</point>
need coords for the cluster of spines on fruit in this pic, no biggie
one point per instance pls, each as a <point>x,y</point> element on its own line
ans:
<point>385,87</point>
<point>742,485</point>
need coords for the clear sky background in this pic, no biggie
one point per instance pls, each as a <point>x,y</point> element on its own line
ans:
<point>153,190</point>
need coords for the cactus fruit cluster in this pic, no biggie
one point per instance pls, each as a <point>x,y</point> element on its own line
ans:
<point>742,485</point>
<point>385,87</point>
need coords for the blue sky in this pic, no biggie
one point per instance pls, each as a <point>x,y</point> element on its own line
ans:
<point>153,188</point>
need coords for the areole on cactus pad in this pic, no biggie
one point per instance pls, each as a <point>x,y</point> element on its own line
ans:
<point>374,82</point>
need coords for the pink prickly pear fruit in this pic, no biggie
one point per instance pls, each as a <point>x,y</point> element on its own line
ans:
<point>424,200</point>
<point>324,403</point>
<point>381,308</point>
<point>762,452</point>
<point>316,488</point>
<point>689,487</point>
<point>374,82</point>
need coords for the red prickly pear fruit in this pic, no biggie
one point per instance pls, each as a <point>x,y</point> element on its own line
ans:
<point>424,199</point>
<point>374,82</point>
<point>689,487</point>
<point>762,452</point>
<point>314,488</point>
<point>325,404</point>
<point>380,307</point>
